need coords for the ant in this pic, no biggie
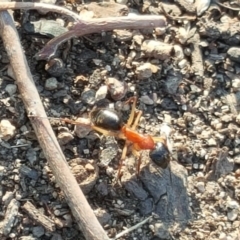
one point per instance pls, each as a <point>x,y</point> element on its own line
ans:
<point>109,123</point>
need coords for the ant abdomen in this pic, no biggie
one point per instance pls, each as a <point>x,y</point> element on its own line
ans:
<point>107,119</point>
<point>160,155</point>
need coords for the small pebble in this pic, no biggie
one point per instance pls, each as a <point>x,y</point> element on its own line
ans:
<point>232,215</point>
<point>119,202</point>
<point>82,130</point>
<point>234,54</point>
<point>195,166</point>
<point>146,70</point>
<point>200,186</point>
<point>55,67</point>
<point>116,88</point>
<point>89,167</point>
<point>7,197</point>
<point>183,63</point>
<point>156,49</point>
<point>232,204</point>
<point>146,100</point>
<point>202,6</point>
<point>236,83</point>
<point>123,35</point>
<point>51,83</point>
<point>38,231</point>
<point>86,151</point>
<point>88,96</point>
<point>222,236</point>
<point>11,89</point>
<point>64,138</point>
<point>7,130</point>
<point>212,142</point>
<point>101,92</point>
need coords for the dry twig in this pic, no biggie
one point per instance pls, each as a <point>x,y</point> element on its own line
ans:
<point>81,210</point>
<point>98,25</point>
<point>83,27</point>
<point>38,217</point>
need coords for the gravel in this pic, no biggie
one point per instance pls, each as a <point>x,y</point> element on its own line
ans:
<point>185,75</point>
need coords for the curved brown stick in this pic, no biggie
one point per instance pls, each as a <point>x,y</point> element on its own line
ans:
<point>83,27</point>
<point>95,25</point>
<point>39,6</point>
<point>81,210</point>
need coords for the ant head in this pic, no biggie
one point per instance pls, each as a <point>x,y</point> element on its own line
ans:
<point>160,155</point>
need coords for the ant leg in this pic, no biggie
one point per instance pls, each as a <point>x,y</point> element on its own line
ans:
<point>135,123</point>
<point>139,159</point>
<point>124,153</point>
<point>131,117</point>
<point>105,132</point>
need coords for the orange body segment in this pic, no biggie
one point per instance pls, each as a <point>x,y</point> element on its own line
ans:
<point>140,140</point>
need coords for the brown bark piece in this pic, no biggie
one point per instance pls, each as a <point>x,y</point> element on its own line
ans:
<point>37,216</point>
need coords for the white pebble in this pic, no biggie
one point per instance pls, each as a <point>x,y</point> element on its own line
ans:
<point>200,186</point>
<point>7,130</point>
<point>232,204</point>
<point>202,6</point>
<point>222,236</point>
<point>232,215</point>
<point>11,89</point>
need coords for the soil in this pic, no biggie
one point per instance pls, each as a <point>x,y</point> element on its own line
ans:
<point>185,76</point>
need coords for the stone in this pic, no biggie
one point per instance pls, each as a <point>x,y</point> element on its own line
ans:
<point>51,83</point>
<point>11,89</point>
<point>7,130</point>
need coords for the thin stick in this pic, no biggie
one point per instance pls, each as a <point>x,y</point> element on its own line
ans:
<point>95,25</point>
<point>81,210</point>
<point>132,228</point>
<point>83,27</point>
<point>39,217</point>
<point>39,6</point>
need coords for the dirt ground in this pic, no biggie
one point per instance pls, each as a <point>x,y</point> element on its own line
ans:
<point>186,76</point>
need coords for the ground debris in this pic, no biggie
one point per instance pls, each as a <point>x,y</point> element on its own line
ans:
<point>86,173</point>
<point>185,74</point>
<point>10,217</point>
<point>187,5</point>
<point>37,216</point>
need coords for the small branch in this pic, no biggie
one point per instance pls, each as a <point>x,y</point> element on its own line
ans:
<point>39,6</point>
<point>81,210</point>
<point>132,228</point>
<point>37,216</point>
<point>98,25</point>
<point>83,27</point>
